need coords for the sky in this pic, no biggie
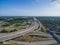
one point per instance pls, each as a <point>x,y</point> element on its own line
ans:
<point>29,7</point>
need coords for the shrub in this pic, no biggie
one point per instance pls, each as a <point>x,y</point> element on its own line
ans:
<point>4,31</point>
<point>13,30</point>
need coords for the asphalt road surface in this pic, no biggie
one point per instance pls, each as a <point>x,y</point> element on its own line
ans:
<point>8,36</point>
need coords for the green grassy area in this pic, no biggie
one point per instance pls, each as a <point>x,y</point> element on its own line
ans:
<point>12,24</point>
<point>7,21</point>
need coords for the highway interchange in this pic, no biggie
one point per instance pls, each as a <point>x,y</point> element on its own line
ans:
<point>7,36</point>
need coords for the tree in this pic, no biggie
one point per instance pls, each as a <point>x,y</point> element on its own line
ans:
<point>4,31</point>
<point>13,30</point>
<point>6,24</point>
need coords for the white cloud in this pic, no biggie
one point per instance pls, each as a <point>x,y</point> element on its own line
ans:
<point>56,3</point>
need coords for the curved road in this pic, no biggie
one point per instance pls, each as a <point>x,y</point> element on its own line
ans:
<point>8,36</point>
<point>36,24</point>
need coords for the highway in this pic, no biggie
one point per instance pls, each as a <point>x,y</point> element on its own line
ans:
<point>53,34</point>
<point>46,42</point>
<point>7,36</point>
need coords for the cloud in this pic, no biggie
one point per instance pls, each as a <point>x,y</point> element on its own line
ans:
<point>56,3</point>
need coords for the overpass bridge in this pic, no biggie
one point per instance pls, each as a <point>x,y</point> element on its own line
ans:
<point>53,34</point>
<point>35,25</point>
<point>7,36</point>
